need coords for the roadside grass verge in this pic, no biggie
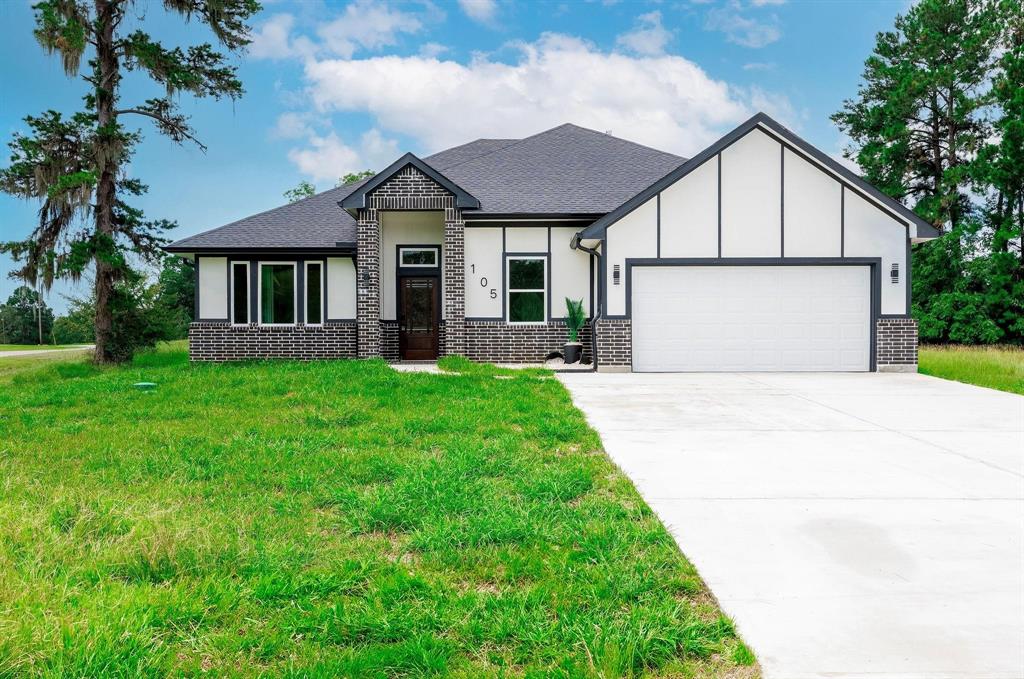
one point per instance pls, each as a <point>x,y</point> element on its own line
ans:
<point>330,519</point>
<point>998,367</point>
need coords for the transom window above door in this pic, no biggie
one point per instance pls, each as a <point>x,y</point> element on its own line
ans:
<point>417,257</point>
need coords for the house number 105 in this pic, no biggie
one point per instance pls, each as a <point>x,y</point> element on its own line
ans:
<point>483,282</point>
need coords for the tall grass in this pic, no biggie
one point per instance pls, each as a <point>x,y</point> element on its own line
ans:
<point>995,367</point>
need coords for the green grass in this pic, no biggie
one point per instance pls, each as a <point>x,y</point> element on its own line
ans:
<point>329,519</point>
<point>37,347</point>
<point>999,368</point>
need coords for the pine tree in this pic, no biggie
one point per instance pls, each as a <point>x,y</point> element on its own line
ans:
<point>74,165</point>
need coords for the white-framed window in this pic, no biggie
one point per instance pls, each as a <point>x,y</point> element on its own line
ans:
<point>314,293</point>
<point>526,295</point>
<point>277,293</point>
<point>413,257</point>
<point>240,293</point>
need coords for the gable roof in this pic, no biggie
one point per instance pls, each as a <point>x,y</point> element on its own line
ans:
<point>562,171</point>
<point>357,198</point>
<point>784,136</point>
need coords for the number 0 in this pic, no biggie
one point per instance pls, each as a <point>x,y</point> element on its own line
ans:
<point>483,282</point>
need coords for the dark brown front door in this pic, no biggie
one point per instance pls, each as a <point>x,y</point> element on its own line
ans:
<point>417,318</point>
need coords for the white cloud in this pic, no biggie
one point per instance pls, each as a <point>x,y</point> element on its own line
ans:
<point>759,66</point>
<point>292,125</point>
<point>764,3</point>
<point>648,36</point>
<point>271,39</point>
<point>327,157</point>
<point>665,101</point>
<point>740,29</point>
<point>482,11</point>
<point>369,25</point>
<point>432,50</point>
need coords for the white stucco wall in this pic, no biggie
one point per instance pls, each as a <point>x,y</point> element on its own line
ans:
<point>213,287</point>
<point>751,198</point>
<point>873,233</point>
<point>635,235</point>
<point>752,205</point>
<point>526,239</point>
<point>483,272</point>
<point>341,288</point>
<point>689,214</point>
<point>570,272</point>
<point>404,228</point>
<point>812,210</point>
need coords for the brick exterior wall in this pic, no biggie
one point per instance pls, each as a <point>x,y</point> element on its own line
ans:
<point>212,341</point>
<point>454,282</point>
<point>499,342</point>
<point>368,282</point>
<point>614,342</point>
<point>896,342</point>
<point>410,189</point>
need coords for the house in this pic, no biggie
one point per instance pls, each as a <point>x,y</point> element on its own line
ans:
<point>759,253</point>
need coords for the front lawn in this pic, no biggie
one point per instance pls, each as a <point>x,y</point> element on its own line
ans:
<point>330,519</point>
<point>994,367</point>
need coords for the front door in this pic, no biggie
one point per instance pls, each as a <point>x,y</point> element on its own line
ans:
<point>417,318</point>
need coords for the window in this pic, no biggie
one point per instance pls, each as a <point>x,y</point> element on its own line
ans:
<point>277,293</point>
<point>240,293</point>
<point>527,295</point>
<point>314,293</point>
<point>426,257</point>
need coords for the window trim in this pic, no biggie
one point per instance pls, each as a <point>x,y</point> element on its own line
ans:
<point>509,290</point>
<point>295,294</point>
<point>402,249</point>
<point>248,289</point>
<point>305,289</point>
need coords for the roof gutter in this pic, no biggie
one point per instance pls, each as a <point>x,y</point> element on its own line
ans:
<point>576,245</point>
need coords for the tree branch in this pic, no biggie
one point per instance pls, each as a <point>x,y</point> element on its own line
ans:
<point>175,129</point>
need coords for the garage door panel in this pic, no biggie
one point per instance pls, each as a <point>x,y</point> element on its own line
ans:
<point>751,318</point>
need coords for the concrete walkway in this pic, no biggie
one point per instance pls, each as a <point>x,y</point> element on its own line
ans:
<point>853,525</point>
<point>40,352</point>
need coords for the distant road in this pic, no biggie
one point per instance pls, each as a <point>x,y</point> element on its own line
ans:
<point>37,352</point>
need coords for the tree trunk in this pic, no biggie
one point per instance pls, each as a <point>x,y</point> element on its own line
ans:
<point>106,194</point>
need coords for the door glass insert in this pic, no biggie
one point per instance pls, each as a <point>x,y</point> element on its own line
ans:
<point>419,306</point>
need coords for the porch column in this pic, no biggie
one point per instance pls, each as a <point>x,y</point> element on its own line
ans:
<point>368,283</point>
<point>454,282</point>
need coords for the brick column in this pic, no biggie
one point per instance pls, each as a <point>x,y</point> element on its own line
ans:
<point>368,283</point>
<point>896,345</point>
<point>454,282</point>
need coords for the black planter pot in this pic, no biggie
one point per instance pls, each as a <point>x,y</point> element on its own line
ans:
<point>572,352</point>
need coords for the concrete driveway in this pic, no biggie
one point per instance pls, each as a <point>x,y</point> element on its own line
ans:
<point>853,525</point>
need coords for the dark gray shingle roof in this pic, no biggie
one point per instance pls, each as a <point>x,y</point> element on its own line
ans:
<point>565,170</point>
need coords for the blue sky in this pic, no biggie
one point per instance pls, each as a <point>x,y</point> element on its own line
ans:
<point>334,87</point>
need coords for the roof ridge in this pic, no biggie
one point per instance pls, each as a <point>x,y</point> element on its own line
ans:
<point>628,141</point>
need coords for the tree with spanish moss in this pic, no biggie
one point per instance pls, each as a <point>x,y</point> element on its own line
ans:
<point>74,165</point>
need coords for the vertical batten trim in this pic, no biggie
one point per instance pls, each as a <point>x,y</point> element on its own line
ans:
<point>842,220</point>
<point>719,204</point>
<point>782,200</point>
<point>658,243</point>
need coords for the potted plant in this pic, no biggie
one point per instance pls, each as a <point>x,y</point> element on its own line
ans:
<point>574,318</point>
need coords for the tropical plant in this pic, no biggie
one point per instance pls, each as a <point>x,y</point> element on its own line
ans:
<point>575,318</point>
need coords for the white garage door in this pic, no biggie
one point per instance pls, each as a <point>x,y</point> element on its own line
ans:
<point>751,318</point>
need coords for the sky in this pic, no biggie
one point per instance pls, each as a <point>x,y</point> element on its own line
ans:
<point>335,87</point>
